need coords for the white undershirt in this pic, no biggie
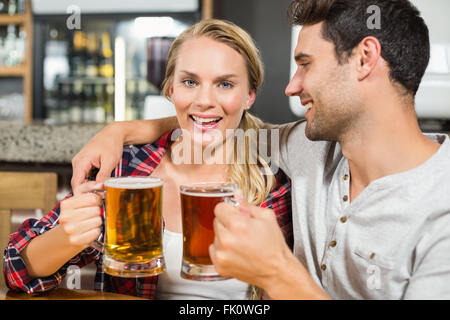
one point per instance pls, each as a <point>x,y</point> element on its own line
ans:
<point>172,287</point>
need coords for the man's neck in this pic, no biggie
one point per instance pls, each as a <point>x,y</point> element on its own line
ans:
<point>389,143</point>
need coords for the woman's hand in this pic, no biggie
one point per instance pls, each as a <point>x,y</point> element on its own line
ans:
<point>103,151</point>
<point>79,225</point>
<point>80,217</point>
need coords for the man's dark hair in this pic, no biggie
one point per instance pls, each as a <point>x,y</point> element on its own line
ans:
<point>403,34</point>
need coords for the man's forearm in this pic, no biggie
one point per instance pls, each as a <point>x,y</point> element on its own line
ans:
<point>294,283</point>
<point>145,131</point>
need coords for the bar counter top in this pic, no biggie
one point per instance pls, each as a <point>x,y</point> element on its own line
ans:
<point>40,143</point>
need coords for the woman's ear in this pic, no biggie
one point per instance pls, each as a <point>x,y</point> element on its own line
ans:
<point>251,99</point>
<point>171,91</point>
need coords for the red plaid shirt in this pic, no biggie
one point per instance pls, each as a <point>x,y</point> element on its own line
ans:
<point>136,161</point>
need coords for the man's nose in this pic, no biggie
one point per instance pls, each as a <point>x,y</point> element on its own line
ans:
<point>295,86</point>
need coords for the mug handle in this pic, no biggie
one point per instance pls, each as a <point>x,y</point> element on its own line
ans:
<point>97,245</point>
<point>231,201</point>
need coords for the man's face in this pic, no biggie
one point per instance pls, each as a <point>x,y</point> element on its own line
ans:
<point>324,86</point>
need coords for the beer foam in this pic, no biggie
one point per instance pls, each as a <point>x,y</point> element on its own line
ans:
<point>206,194</point>
<point>133,182</point>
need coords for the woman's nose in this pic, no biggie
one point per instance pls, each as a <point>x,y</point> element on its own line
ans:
<point>205,96</point>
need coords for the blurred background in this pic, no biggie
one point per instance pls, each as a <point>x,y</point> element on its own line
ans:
<point>69,67</point>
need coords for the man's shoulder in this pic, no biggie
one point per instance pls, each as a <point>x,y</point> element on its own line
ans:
<point>302,151</point>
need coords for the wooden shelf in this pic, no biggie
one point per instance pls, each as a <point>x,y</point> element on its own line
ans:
<point>12,19</point>
<point>25,70</point>
<point>15,71</point>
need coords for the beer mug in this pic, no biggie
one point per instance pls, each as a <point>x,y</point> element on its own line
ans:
<point>197,205</point>
<point>133,227</point>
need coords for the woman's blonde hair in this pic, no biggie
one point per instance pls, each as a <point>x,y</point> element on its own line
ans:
<point>256,180</point>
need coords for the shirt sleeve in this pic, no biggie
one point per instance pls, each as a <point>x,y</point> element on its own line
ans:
<point>15,269</point>
<point>279,200</point>
<point>282,138</point>
<point>431,270</point>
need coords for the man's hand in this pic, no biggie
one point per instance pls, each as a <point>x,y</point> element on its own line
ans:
<point>103,151</point>
<point>250,246</point>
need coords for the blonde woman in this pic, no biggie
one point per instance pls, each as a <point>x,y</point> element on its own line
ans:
<point>214,71</point>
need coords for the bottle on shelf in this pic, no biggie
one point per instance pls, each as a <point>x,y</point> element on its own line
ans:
<point>3,52</point>
<point>11,55</point>
<point>12,7</point>
<point>64,103</point>
<point>77,55</point>
<point>91,55</point>
<point>76,102</point>
<point>3,6</point>
<point>21,45</point>
<point>108,98</point>
<point>89,103</point>
<point>21,6</point>
<point>106,68</point>
<point>99,111</point>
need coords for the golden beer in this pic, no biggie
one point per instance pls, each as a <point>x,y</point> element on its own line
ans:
<point>133,236</point>
<point>197,204</point>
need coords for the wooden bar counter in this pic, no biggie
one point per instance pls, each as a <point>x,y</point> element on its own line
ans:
<point>64,294</point>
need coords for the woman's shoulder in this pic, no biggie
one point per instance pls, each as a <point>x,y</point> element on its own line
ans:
<point>162,142</point>
<point>142,159</point>
<point>281,192</point>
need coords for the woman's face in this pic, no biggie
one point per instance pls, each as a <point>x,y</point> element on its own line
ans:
<point>210,89</point>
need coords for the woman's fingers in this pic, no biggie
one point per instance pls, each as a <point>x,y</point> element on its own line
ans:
<point>76,215</point>
<point>82,201</point>
<point>85,238</point>
<point>88,187</point>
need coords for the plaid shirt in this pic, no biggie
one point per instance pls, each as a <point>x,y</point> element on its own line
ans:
<point>136,161</point>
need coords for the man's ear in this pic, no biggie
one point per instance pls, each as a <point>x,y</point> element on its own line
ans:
<point>368,53</point>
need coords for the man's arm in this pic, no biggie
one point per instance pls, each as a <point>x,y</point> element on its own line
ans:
<point>431,268</point>
<point>250,246</point>
<point>104,150</point>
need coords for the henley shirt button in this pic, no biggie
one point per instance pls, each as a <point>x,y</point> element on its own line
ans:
<point>344,219</point>
<point>345,198</point>
<point>333,243</point>
<point>345,177</point>
<point>323,267</point>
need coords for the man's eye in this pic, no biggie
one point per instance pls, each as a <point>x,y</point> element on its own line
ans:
<point>189,83</point>
<point>226,85</point>
<point>304,64</point>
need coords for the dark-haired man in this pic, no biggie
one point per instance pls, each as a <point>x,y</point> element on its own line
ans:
<point>371,213</point>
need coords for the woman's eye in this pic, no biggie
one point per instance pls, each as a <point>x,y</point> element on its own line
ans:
<point>189,83</point>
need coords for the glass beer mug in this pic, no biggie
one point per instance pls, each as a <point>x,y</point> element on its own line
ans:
<point>133,227</point>
<point>197,205</point>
